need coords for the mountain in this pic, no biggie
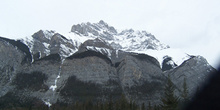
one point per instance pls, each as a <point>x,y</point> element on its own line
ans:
<point>93,62</point>
<point>195,70</point>
<point>44,43</point>
<point>127,40</point>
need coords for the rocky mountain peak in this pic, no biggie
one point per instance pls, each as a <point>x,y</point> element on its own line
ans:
<point>44,43</point>
<point>108,28</point>
<point>127,40</point>
<point>102,22</point>
<point>43,35</point>
<point>93,59</point>
<point>100,29</point>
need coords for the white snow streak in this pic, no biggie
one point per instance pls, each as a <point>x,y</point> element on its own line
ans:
<point>47,103</point>
<point>116,53</point>
<point>53,87</point>
<point>66,51</point>
<point>48,34</point>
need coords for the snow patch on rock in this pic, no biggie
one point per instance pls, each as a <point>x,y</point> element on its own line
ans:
<point>47,103</point>
<point>104,51</point>
<point>178,56</point>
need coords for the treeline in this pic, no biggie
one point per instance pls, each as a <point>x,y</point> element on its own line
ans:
<point>120,104</point>
<point>169,102</point>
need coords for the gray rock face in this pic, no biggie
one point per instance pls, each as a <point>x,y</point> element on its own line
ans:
<point>87,72</point>
<point>168,63</point>
<point>101,29</point>
<point>91,71</point>
<point>39,43</point>
<point>11,60</point>
<point>196,71</point>
<point>44,43</point>
<point>35,82</point>
<point>51,68</point>
<point>141,78</point>
<point>95,45</point>
<point>137,40</point>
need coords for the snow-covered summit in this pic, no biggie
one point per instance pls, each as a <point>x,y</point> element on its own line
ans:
<point>100,29</point>
<point>127,40</point>
<point>131,40</point>
<point>177,55</point>
<point>44,42</point>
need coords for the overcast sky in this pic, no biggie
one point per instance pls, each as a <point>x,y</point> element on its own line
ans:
<point>192,25</point>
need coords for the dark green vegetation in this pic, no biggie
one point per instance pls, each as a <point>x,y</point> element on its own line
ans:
<point>51,57</point>
<point>78,90</point>
<point>32,81</point>
<point>12,101</point>
<point>83,101</point>
<point>81,91</point>
<point>169,101</point>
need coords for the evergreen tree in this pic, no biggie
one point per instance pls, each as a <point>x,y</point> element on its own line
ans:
<point>169,101</point>
<point>88,105</point>
<point>185,92</point>
<point>156,107</point>
<point>117,106</point>
<point>123,103</point>
<point>106,106</point>
<point>101,106</point>
<point>130,105</point>
<point>149,106</point>
<point>143,106</point>
<point>110,104</point>
<point>134,106</point>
